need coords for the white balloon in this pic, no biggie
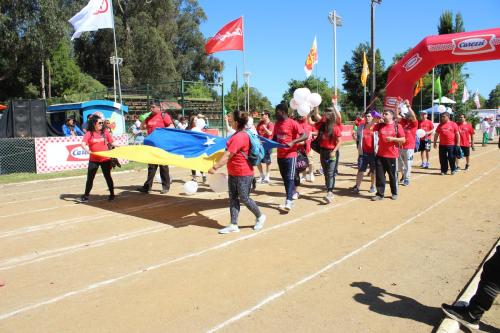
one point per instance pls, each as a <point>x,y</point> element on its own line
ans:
<point>304,109</point>
<point>190,187</point>
<point>301,95</point>
<point>217,182</point>
<point>293,104</point>
<point>441,108</point>
<point>420,133</point>
<point>315,99</point>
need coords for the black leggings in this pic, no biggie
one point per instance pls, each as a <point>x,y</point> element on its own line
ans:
<point>106,171</point>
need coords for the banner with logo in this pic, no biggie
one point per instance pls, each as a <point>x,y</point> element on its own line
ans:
<point>460,47</point>
<point>230,37</point>
<point>55,154</point>
<point>98,14</point>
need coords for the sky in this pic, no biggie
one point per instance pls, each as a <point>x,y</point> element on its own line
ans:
<point>279,34</point>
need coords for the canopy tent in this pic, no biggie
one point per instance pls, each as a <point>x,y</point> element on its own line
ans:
<point>444,100</point>
<point>435,109</point>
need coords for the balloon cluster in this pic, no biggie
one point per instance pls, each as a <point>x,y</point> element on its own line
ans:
<point>303,101</point>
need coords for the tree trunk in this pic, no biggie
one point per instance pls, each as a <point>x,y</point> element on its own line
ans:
<point>49,90</point>
<point>42,82</point>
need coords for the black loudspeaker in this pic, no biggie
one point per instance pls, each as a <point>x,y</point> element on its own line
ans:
<point>29,118</point>
<point>38,118</point>
<point>21,118</point>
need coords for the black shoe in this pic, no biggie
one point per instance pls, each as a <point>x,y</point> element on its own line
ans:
<point>461,314</point>
<point>83,199</point>
<point>254,183</point>
<point>466,167</point>
<point>111,197</point>
<point>142,190</point>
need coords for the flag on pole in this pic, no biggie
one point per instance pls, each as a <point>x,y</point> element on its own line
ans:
<point>454,87</point>
<point>437,88</point>
<point>465,95</point>
<point>418,87</point>
<point>98,14</point>
<point>312,58</point>
<point>476,99</point>
<point>230,37</point>
<point>365,71</point>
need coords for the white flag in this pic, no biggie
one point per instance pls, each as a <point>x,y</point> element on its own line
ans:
<point>465,95</point>
<point>98,14</point>
<point>476,99</point>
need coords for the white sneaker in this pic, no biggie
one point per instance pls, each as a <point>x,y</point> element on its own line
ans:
<point>259,223</point>
<point>310,178</point>
<point>262,180</point>
<point>295,196</point>
<point>287,206</point>
<point>302,179</point>
<point>329,197</point>
<point>229,229</point>
<point>267,180</point>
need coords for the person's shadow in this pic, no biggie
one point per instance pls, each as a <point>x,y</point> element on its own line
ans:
<point>403,307</point>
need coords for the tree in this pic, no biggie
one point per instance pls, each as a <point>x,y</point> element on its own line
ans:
<point>257,101</point>
<point>352,77</point>
<point>494,98</point>
<point>449,26</point>
<point>314,85</point>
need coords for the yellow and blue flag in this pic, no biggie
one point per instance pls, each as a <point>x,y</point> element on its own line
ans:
<point>181,148</point>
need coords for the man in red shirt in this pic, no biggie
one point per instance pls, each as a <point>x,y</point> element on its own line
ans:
<point>265,129</point>
<point>449,138</point>
<point>157,119</point>
<point>466,132</point>
<point>390,136</point>
<point>425,142</point>
<point>288,132</point>
<point>409,123</point>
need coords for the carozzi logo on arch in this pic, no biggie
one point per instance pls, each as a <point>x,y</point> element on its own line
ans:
<point>473,44</point>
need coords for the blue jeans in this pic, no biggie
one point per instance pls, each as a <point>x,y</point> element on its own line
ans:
<point>328,166</point>
<point>287,171</point>
<point>447,156</point>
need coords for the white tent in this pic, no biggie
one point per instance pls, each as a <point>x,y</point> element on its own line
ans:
<point>436,110</point>
<point>444,100</point>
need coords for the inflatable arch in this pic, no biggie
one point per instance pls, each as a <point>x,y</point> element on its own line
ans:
<point>436,50</point>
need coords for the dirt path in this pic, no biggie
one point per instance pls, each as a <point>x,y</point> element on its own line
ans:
<point>155,263</point>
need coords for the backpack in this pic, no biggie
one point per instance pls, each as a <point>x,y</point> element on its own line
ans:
<point>256,152</point>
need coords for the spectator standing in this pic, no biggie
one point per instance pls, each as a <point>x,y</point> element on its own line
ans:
<point>425,142</point>
<point>485,128</point>
<point>390,136</point>
<point>447,131</point>
<point>240,174</point>
<point>287,132</point>
<point>157,119</point>
<point>410,124</point>
<point>466,139</point>
<point>265,129</point>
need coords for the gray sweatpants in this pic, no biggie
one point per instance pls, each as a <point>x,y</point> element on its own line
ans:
<point>239,192</point>
<point>405,162</point>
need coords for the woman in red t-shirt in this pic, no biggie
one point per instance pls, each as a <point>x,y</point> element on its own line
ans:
<point>97,139</point>
<point>240,174</point>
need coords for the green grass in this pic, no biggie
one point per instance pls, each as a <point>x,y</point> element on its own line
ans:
<point>25,177</point>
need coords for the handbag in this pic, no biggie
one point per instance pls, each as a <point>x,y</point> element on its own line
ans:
<point>302,162</point>
<point>114,161</point>
<point>315,143</point>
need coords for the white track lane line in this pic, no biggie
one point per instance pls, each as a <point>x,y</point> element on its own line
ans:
<point>179,259</point>
<point>331,265</point>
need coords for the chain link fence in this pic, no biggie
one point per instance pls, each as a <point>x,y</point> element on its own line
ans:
<point>17,155</point>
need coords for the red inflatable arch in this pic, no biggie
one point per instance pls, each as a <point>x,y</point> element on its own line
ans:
<point>436,50</point>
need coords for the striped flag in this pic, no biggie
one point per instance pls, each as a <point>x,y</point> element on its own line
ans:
<point>465,95</point>
<point>312,58</point>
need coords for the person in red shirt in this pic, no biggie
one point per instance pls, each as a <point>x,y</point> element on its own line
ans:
<point>240,174</point>
<point>287,132</point>
<point>449,138</point>
<point>409,123</point>
<point>466,132</point>
<point>425,142</point>
<point>157,119</point>
<point>366,152</point>
<point>330,137</point>
<point>305,147</point>
<point>390,136</point>
<point>265,129</point>
<point>94,140</point>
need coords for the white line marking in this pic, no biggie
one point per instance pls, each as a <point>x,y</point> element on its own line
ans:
<point>281,292</point>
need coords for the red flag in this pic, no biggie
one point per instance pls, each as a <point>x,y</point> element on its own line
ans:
<point>454,87</point>
<point>230,37</point>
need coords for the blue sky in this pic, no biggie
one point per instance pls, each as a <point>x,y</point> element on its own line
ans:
<point>279,34</point>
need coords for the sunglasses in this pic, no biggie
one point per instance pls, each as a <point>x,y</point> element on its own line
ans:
<point>99,123</point>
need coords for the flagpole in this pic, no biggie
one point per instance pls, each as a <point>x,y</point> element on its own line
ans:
<point>364,98</point>
<point>244,61</point>
<point>117,64</point>
<point>237,88</point>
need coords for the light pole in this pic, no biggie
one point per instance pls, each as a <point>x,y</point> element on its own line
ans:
<point>336,21</point>
<point>246,75</point>
<point>115,62</point>
<point>374,81</point>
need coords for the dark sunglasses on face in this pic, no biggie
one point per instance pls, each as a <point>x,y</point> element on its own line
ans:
<point>99,123</point>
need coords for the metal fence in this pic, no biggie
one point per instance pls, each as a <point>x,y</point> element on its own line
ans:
<point>17,155</point>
